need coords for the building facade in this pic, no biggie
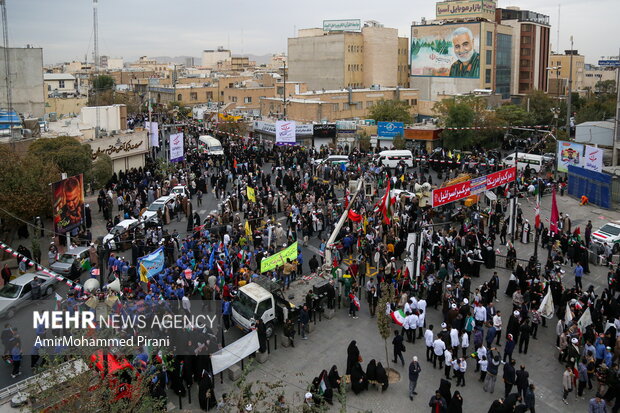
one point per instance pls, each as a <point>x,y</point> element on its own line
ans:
<point>210,58</point>
<point>60,85</point>
<point>530,48</point>
<point>348,59</point>
<point>27,86</point>
<point>563,62</point>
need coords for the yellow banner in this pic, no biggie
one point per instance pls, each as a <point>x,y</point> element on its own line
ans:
<point>248,230</point>
<point>251,194</point>
<point>279,259</point>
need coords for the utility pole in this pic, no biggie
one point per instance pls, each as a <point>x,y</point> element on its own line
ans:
<point>570,89</point>
<point>7,63</point>
<point>614,161</point>
<point>284,93</point>
<point>96,58</point>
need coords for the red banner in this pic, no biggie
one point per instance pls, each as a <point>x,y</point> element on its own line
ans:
<point>442,196</point>
<point>501,177</point>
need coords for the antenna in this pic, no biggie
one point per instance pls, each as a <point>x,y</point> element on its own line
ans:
<point>96,57</point>
<point>7,58</point>
<point>558,34</point>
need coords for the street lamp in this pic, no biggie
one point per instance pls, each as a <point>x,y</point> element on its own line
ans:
<point>556,110</point>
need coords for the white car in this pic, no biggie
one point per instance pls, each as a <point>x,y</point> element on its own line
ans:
<point>119,233</point>
<point>333,159</point>
<point>180,190</point>
<point>397,193</point>
<point>151,212</point>
<point>609,234</point>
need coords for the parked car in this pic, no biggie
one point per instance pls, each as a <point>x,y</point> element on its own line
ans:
<point>18,292</point>
<point>333,160</point>
<point>121,232</point>
<point>151,212</point>
<point>69,264</point>
<point>608,234</point>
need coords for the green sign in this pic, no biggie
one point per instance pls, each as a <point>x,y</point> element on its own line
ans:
<point>350,25</point>
<point>279,259</point>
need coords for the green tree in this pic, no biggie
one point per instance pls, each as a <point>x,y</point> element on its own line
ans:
<point>178,110</point>
<point>384,320</point>
<point>391,111</point>
<point>460,115</point>
<point>67,153</point>
<point>605,87</point>
<point>541,106</point>
<point>103,82</point>
<point>103,169</point>
<point>24,187</point>
<point>399,142</point>
<point>513,115</point>
<point>364,141</point>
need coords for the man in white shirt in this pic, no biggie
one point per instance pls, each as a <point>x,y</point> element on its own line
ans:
<point>454,340</point>
<point>438,352</point>
<point>497,323</point>
<point>428,340</point>
<point>480,314</point>
<point>447,355</point>
<point>422,315</point>
<point>412,324</point>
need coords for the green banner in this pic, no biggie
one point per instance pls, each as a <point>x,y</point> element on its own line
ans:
<point>279,259</point>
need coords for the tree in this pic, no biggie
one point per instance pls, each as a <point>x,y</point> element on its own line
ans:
<point>103,169</point>
<point>541,106</point>
<point>513,115</point>
<point>102,83</point>
<point>24,187</point>
<point>399,142</point>
<point>391,111</point>
<point>67,153</point>
<point>459,116</point>
<point>605,87</point>
<point>178,110</point>
<point>235,128</point>
<point>383,319</point>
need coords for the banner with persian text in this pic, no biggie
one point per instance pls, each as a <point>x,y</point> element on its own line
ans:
<point>456,192</point>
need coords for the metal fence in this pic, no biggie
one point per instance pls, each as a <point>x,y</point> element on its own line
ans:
<point>501,262</point>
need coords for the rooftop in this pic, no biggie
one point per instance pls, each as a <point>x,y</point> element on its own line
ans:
<point>58,76</point>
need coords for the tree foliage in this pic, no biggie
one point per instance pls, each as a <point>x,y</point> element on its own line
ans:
<point>399,142</point>
<point>103,82</point>
<point>103,169</point>
<point>67,153</point>
<point>24,187</point>
<point>391,111</point>
<point>514,115</point>
<point>541,105</point>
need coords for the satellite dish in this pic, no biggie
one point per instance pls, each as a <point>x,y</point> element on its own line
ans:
<point>92,284</point>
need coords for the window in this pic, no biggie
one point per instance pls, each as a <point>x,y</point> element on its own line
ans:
<point>247,99</point>
<point>369,104</point>
<point>193,96</point>
<point>209,95</point>
<point>222,93</point>
<point>25,290</point>
<point>49,88</point>
<point>346,106</point>
<point>262,307</point>
<point>414,102</point>
<point>526,40</point>
<point>179,97</point>
<point>336,107</point>
<point>233,98</point>
<point>489,57</point>
<point>487,76</point>
<point>526,52</point>
<point>526,28</point>
<point>489,38</point>
<point>61,84</point>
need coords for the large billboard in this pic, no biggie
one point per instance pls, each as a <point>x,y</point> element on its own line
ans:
<point>349,25</point>
<point>449,50</point>
<point>68,199</point>
<point>466,9</point>
<point>569,153</point>
<point>390,129</point>
<point>285,132</point>
<point>176,147</point>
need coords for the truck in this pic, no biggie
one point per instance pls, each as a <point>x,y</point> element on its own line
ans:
<point>265,299</point>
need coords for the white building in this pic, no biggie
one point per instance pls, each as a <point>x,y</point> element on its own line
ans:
<point>60,85</point>
<point>111,118</point>
<point>598,133</point>
<point>210,58</point>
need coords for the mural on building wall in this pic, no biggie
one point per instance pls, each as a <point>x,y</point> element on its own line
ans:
<point>449,50</point>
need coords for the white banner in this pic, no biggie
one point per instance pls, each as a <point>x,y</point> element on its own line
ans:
<point>285,132</point>
<point>153,129</point>
<point>593,159</point>
<point>235,352</point>
<point>176,147</point>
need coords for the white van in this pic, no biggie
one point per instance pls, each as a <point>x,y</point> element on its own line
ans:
<point>526,161</point>
<point>391,158</point>
<point>210,145</point>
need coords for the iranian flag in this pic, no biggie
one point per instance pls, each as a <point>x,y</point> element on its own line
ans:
<point>398,316</point>
<point>537,213</point>
<point>555,216</point>
<point>385,205</point>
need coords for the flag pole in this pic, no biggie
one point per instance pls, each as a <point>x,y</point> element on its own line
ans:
<point>536,222</point>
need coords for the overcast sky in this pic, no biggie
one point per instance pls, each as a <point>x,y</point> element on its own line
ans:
<point>132,28</point>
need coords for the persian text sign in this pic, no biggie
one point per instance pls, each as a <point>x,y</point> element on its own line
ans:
<point>451,193</point>
<point>501,177</point>
<point>176,147</point>
<point>350,25</point>
<point>285,132</point>
<point>593,160</point>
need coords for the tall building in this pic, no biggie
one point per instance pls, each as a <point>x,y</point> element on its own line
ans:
<point>530,48</point>
<point>464,50</point>
<point>210,58</point>
<point>352,56</point>
<point>26,71</point>
<point>563,62</point>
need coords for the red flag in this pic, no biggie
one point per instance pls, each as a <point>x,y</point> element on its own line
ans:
<point>385,205</point>
<point>235,163</point>
<point>555,215</point>
<point>537,213</point>
<point>354,216</point>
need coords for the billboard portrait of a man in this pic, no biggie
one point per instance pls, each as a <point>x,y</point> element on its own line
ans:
<point>468,59</point>
<point>68,204</point>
